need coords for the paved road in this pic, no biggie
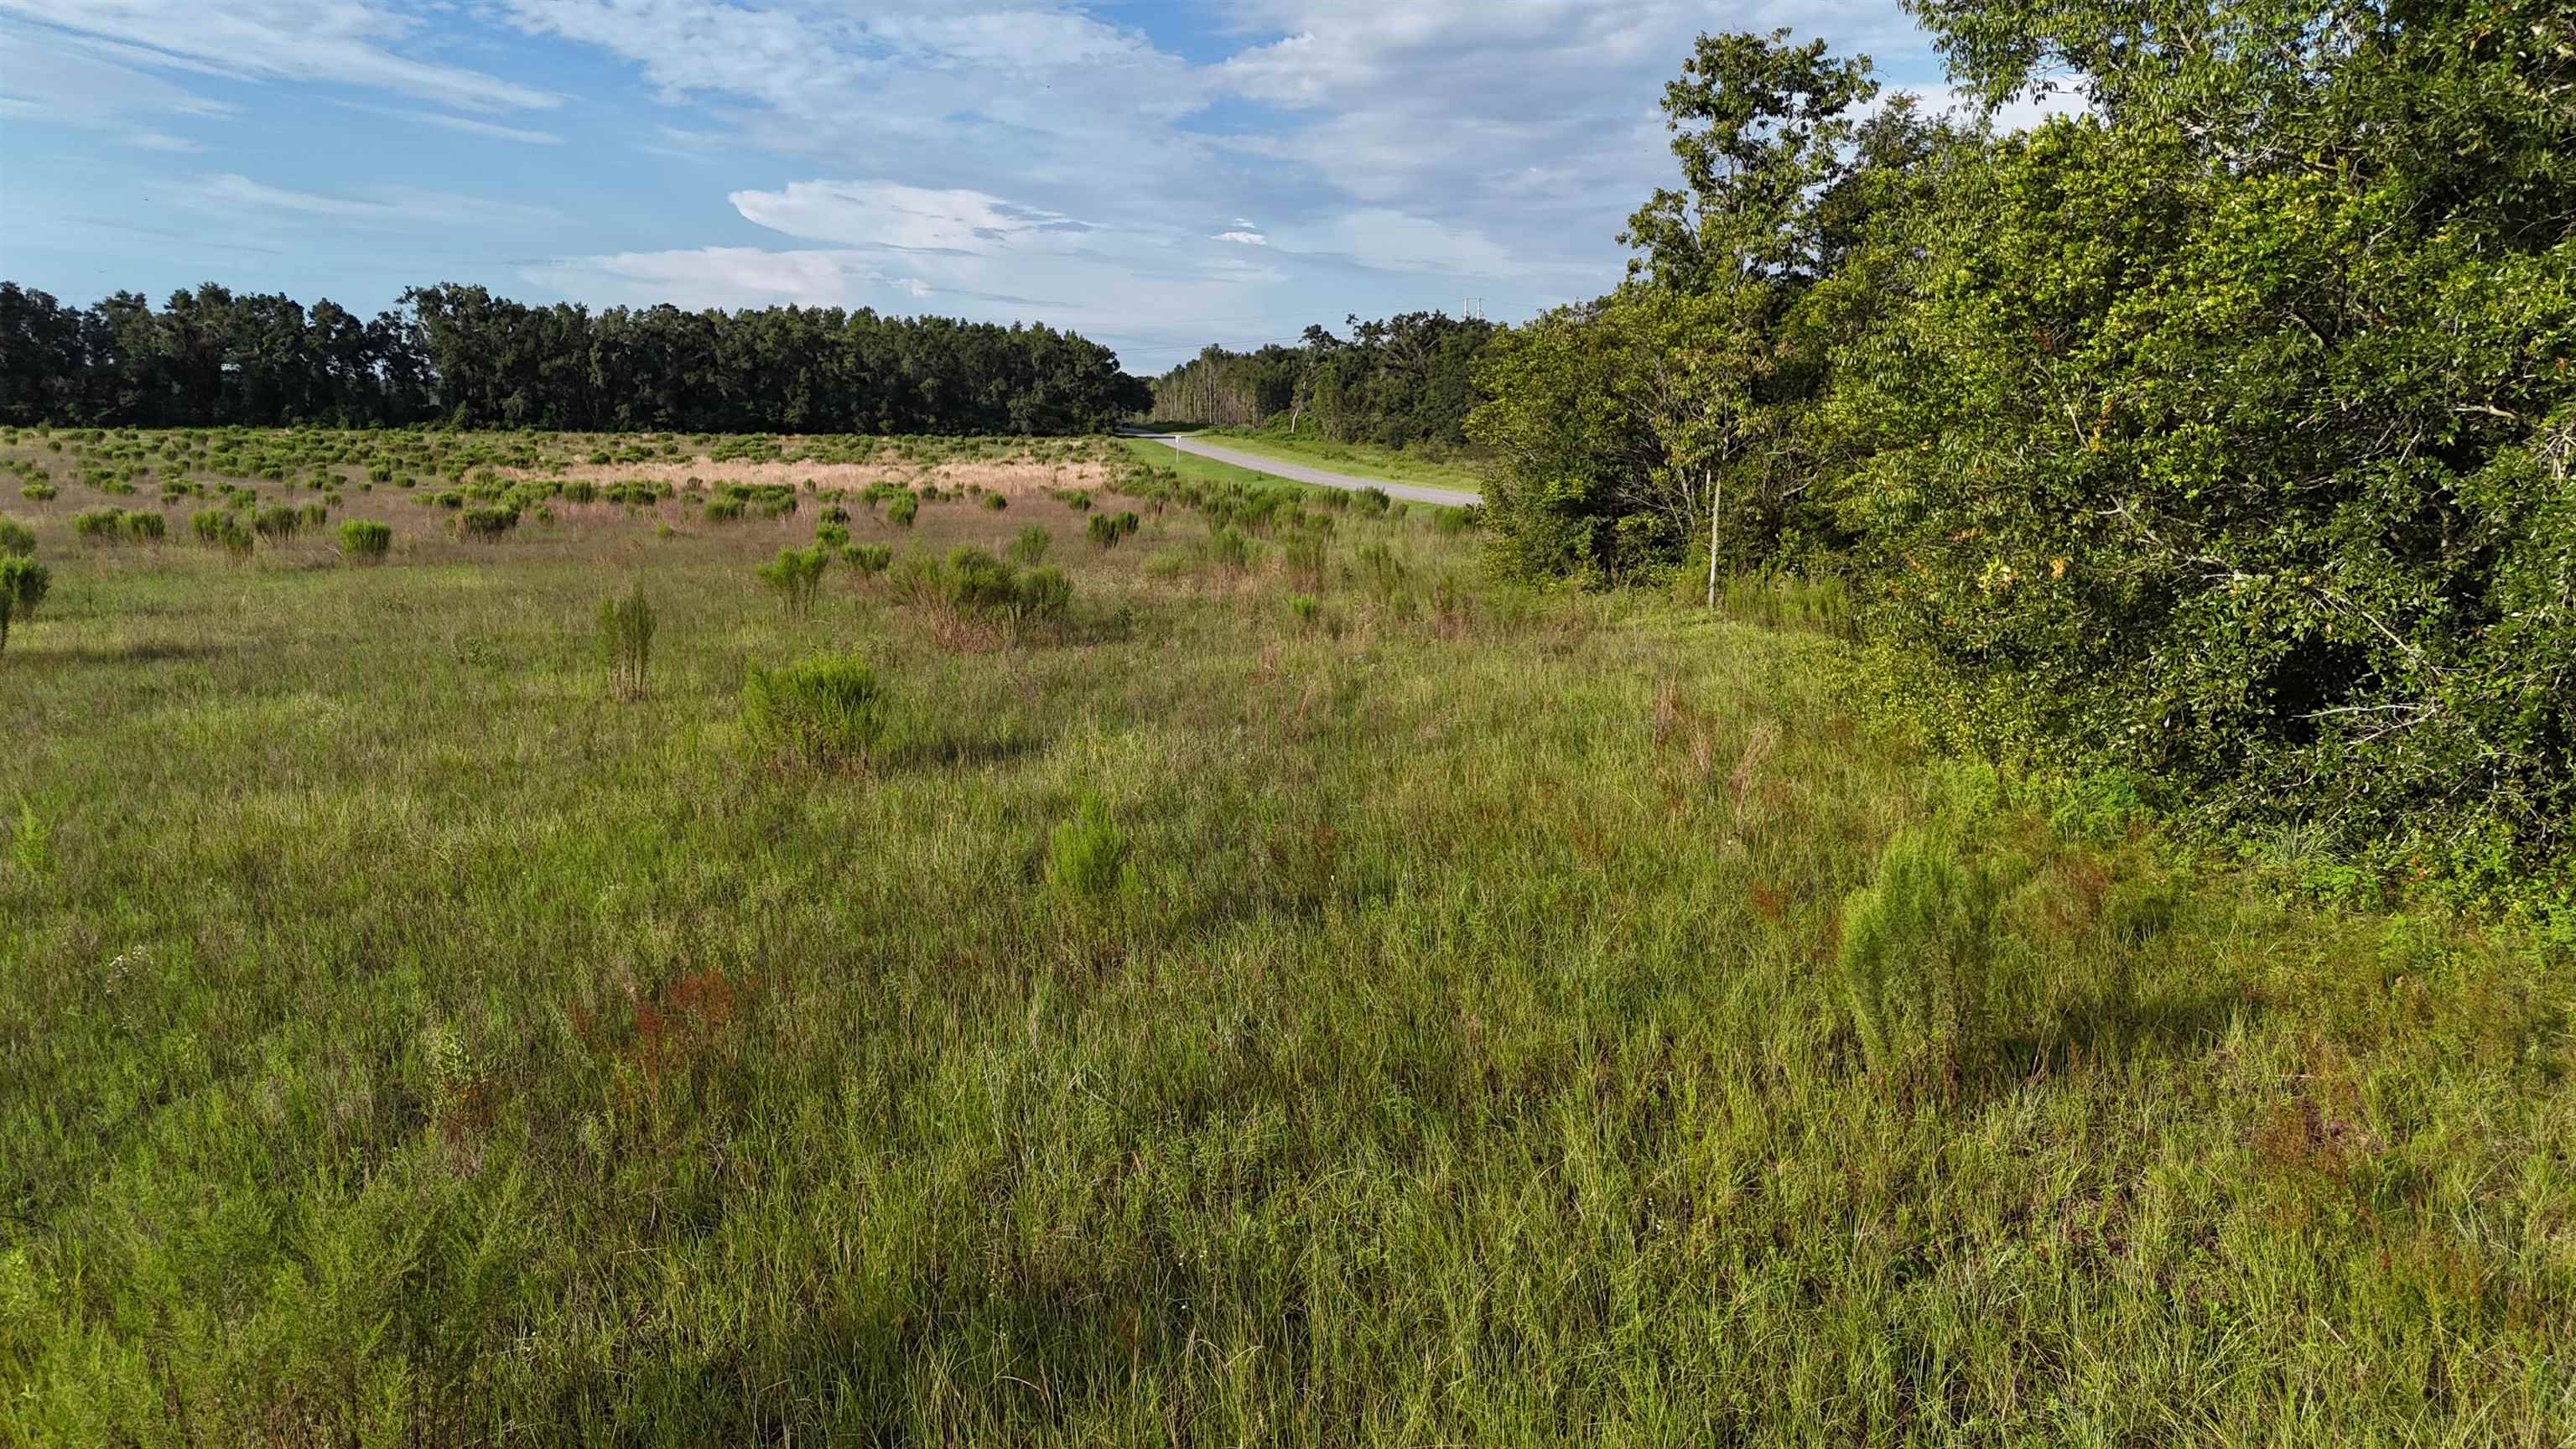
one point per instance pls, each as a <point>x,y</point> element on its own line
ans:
<point>1410,492</point>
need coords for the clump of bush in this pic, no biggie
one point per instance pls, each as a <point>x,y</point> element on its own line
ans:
<point>488,523</point>
<point>224,528</point>
<point>1918,960</point>
<point>796,576</point>
<point>17,540</point>
<point>1229,548</point>
<point>1031,545</point>
<point>1107,530</point>
<point>972,584</point>
<point>902,509</point>
<point>870,559</point>
<point>23,585</point>
<point>1087,855</point>
<point>626,626</point>
<point>827,712</point>
<point>363,540</point>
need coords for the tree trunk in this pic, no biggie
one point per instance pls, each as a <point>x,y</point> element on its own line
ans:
<point>1716,495</point>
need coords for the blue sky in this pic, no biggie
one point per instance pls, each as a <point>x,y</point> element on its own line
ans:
<point>1156,175</point>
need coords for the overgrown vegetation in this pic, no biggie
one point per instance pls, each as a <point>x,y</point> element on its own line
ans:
<point>890,1032</point>
<point>2219,435</point>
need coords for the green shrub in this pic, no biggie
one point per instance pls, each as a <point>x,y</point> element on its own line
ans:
<point>1303,555</point>
<point>796,576</point>
<point>95,523</point>
<point>17,540</point>
<point>1087,855</point>
<point>1045,594</point>
<point>1229,547</point>
<point>223,528</point>
<point>996,502</point>
<point>278,521</point>
<point>831,537</point>
<point>870,559</point>
<point>23,585</point>
<point>1306,610</point>
<point>1031,546</point>
<point>825,712</point>
<point>141,526</point>
<point>1101,531</point>
<point>972,584</point>
<point>39,492</point>
<point>722,509</point>
<point>487,524</point>
<point>626,626</point>
<point>901,510</point>
<point>1371,501</point>
<point>366,541</point>
<point>1919,960</point>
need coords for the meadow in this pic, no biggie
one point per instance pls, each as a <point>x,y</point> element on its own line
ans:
<point>625,954</point>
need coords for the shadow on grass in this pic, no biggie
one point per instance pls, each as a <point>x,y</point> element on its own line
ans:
<point>149,652</point>
<point>953,750</point>
<point>2115,1028</point>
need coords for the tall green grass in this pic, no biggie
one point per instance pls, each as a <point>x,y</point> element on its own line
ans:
<point>1433,1028</point>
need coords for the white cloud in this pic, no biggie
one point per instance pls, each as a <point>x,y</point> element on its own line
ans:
<point>472,127</point>
<point>234,194</point>
<point>909,218</point>
<point>347,42</point>
<point>45,77</point>
<point>1242,238</point>
<point>161,141</point>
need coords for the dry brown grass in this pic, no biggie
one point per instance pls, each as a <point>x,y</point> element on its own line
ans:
<point>1013,478</point>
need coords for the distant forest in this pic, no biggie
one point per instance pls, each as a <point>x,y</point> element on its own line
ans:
<point>1408,381</point>
<point>460,355</point>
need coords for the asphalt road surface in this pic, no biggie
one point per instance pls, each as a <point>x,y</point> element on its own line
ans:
<point>1410,492</point>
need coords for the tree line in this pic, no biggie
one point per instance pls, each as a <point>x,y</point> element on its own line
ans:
<point>2216,439</point>
<point>1405,381</point>
<point>460,355</point>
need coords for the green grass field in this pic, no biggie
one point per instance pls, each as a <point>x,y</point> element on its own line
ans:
<point>1366,460</point>
<point>1417,1017</point>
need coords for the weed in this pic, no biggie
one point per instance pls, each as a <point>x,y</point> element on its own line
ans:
<point>626,625</point>
<point>1087,854</point>
<point>826,712</point>
<point>1030,547</point>
<point>363,540</point>
<point>1918,960</point>
<point>796,576</point>
<point>23,586</point>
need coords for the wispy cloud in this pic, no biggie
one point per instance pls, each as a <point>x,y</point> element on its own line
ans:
<point>348,42</point>
<point>232,193</point>
<point>465,125</point>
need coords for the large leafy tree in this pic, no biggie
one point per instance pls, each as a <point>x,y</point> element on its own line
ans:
<point>2225,431</point>
<point>1693,382</point>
